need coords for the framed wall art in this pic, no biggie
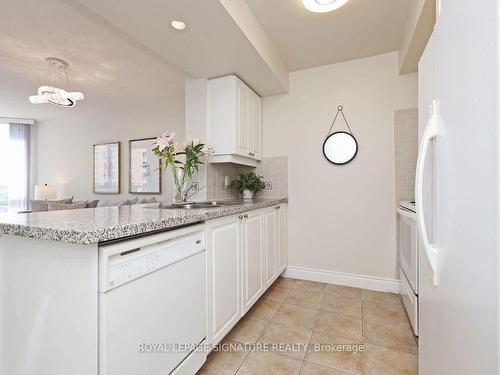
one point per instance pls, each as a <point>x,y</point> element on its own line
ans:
<point>107,168</point>
<point>144,173</point>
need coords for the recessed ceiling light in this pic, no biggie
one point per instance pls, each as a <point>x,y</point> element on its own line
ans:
<point>178,24</point>
<point>323,6</point>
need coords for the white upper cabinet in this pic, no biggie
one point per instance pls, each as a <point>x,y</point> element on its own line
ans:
<point>244,112</point>
<point>234,121</point>
<point>255,131</point>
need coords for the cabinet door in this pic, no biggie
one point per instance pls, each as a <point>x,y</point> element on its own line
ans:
<point>251,122</point>
<point>257,128</point>
<point>243,125</point>
<point>234,118</point>
<point>282,237</point>
<point>252,258</point>
<point>270,242</point>
<point>223,273</point>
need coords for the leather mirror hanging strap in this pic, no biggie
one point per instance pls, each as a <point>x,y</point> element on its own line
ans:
<point>340,109</point>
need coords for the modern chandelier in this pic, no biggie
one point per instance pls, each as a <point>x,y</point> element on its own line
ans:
<point>57,74</point>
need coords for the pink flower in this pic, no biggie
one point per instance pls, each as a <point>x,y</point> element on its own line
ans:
<point>192,141</point>
<point>164,140</point>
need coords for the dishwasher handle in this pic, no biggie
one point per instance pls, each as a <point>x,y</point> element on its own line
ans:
<point>130,251</point>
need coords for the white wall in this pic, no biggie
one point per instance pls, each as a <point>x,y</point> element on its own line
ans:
<point>65,142</point>
<point>341,218</point>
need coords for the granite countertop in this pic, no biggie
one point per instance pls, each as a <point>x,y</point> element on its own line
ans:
<point>93,225</point>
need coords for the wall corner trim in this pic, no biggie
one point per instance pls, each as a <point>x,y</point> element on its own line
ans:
<point>358,281</point>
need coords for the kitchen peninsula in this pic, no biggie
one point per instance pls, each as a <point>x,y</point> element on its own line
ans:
<point>72,281</point>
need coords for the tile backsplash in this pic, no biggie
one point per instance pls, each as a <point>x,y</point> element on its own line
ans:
<point>275,172</point>
<point>273,169</point>
<point>406,150</point>
<point>215,180</point>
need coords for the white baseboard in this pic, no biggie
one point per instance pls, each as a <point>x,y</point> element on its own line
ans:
<point>358,281</point>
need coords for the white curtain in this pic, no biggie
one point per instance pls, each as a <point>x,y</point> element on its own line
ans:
<point>18,167</point>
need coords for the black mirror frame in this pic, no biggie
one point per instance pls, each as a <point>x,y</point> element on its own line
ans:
<point>348,161</point>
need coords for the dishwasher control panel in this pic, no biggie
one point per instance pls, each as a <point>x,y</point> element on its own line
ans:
<point>124,272</point>
<point>119,268</point>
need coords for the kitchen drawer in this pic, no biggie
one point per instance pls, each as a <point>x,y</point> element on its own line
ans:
<point>410,301</point>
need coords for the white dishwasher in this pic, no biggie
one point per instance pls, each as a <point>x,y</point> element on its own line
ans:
<point>151,297</point>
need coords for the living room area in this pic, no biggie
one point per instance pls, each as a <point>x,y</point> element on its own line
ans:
<point>48,152</point>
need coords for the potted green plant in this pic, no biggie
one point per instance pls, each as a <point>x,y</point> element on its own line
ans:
<point>248,184</point>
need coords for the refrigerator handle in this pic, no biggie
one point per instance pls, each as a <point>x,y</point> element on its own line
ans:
<point>430,132</point>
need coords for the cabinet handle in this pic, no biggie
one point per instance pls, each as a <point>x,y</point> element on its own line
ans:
<point>240,217</point>
<point>245,216</point>
<point>251,153</point>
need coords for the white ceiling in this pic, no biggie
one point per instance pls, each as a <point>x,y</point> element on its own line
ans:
<point>124,52</point>
<point>361,28</point>
<point>214,43</point>
<point>111,69</point>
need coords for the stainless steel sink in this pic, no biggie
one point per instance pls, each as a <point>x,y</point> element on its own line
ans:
<point>196,205</point>
<point>216,203</point>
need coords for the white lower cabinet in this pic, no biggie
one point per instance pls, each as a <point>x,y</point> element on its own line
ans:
<point>245,254</point>
<point>282,236</point>
<point>253,258</point>
<point>223,276</point>
<point>274,242</point>
<point>270,245</point>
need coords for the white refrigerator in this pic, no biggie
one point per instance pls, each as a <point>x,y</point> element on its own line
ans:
<point>457,191</point>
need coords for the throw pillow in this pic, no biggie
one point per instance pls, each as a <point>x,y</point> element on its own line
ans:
<point>148,200</point>
<point>92,204</point>
<point>130,202</point>
<point>53,206</point>
<point>43,205</point>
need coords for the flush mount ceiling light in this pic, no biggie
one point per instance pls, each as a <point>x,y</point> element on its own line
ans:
<point>178,24</point>
<point>57,74</point>
<point>323,6</point>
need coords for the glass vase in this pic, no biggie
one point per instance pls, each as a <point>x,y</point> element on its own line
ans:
<point>182,185</point>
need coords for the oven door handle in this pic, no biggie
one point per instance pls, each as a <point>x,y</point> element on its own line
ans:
<point>405,213</point>
<point>430,133</point>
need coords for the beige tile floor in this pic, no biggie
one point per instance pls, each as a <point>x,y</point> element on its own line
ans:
<point>309,313</point>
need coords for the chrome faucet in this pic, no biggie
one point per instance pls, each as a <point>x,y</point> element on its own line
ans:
<point>186,195</point>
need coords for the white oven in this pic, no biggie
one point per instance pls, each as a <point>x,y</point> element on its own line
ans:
<point>408,245</point>
<point>408,260</point>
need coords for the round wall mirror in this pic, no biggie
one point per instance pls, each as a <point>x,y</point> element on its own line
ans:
<point>340,148</point>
